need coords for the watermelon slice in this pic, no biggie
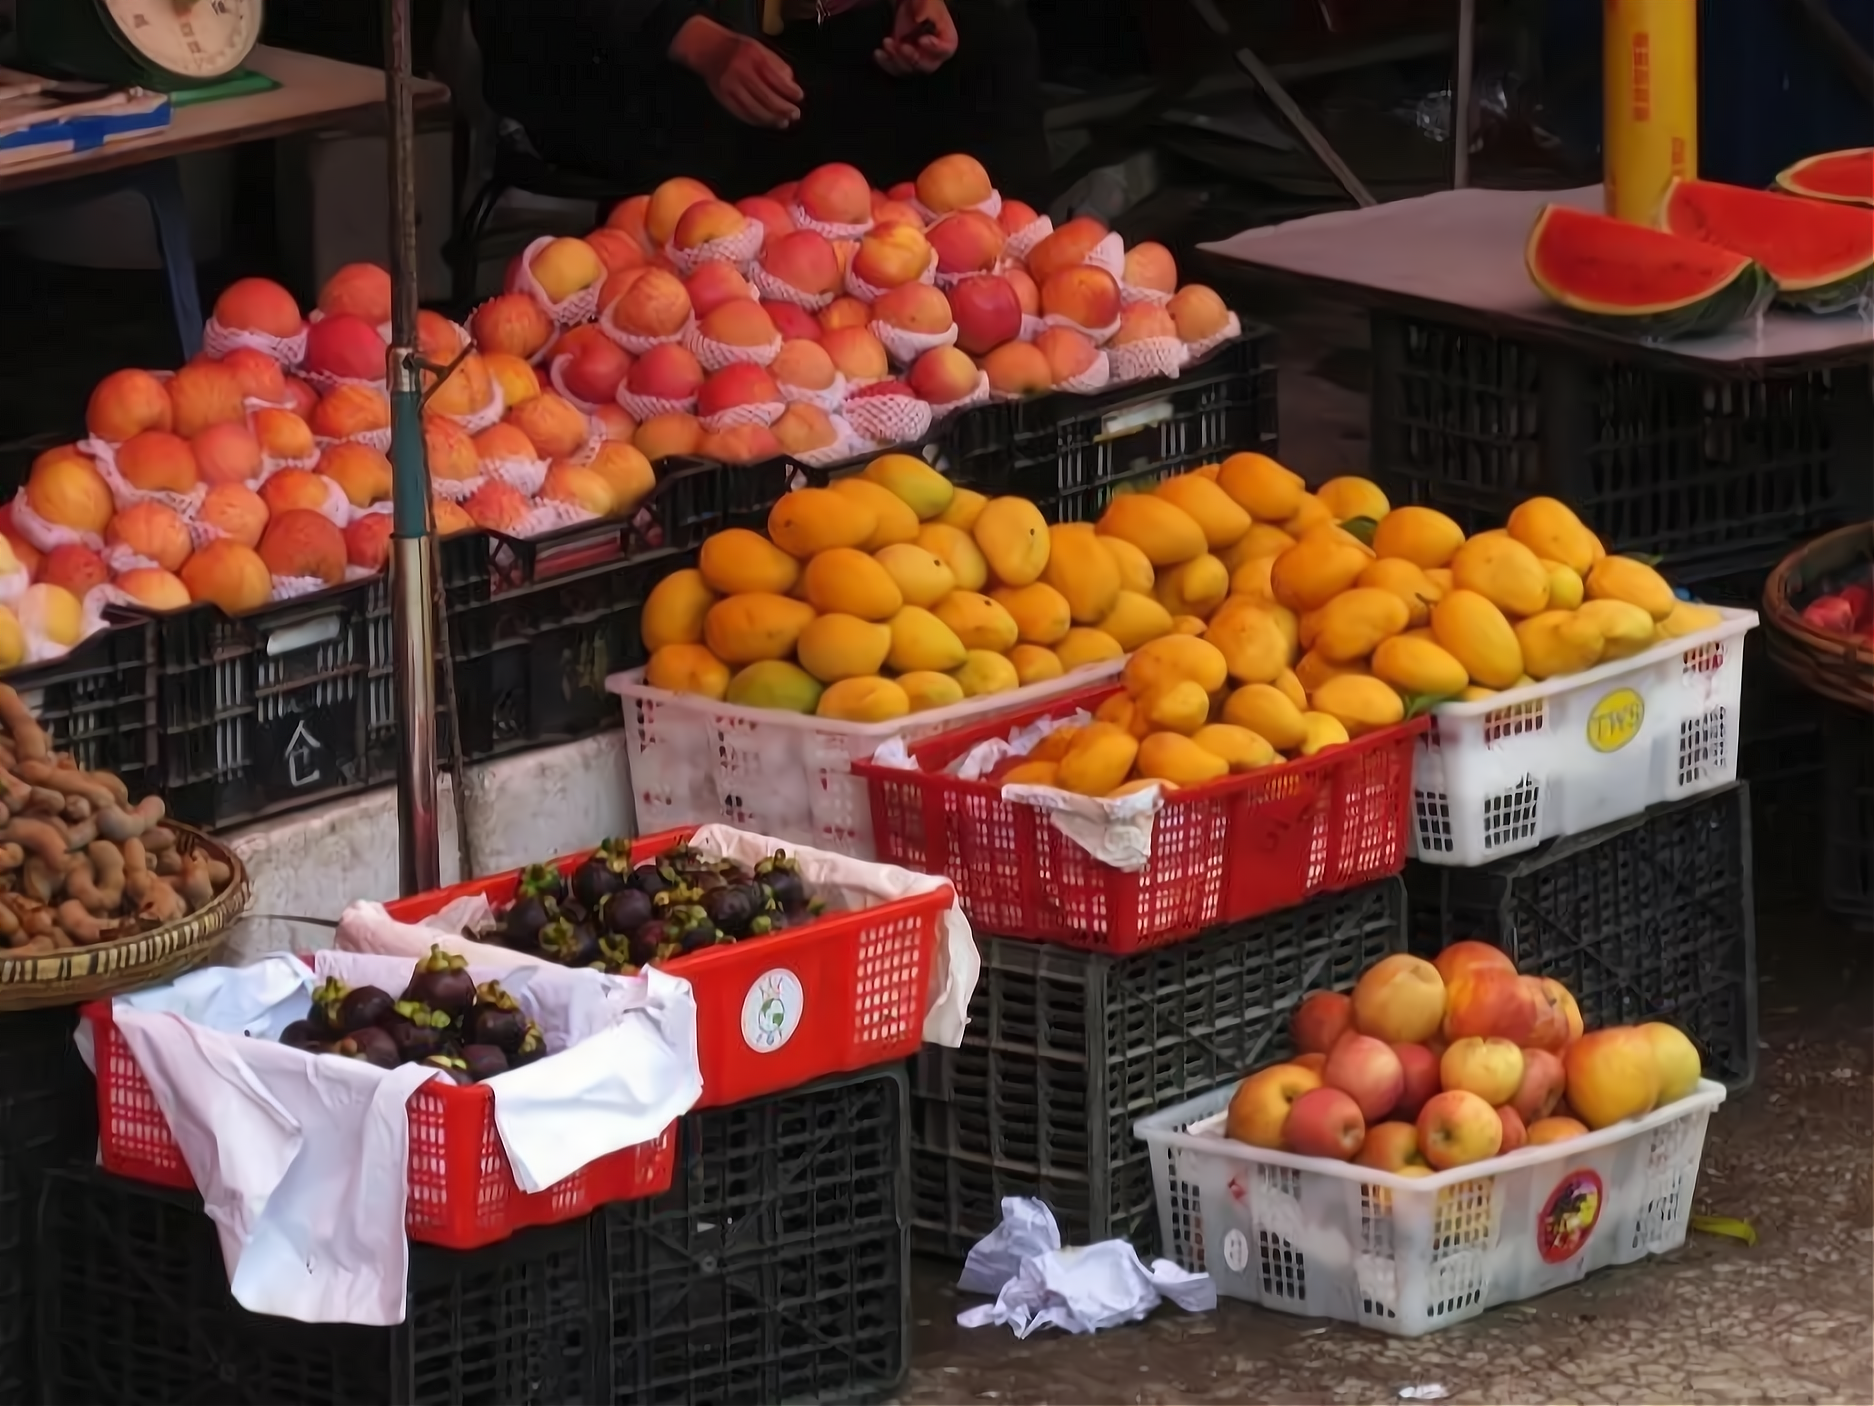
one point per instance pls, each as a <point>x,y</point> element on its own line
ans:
<point>1820,254</point>
<point>1641,282</point>
<point>1847,176</point>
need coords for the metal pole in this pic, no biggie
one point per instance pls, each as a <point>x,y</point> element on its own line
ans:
<point>1461,95</point>
<point>412,565</point>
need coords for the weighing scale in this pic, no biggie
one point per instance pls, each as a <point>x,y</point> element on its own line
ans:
<point>167,46</point>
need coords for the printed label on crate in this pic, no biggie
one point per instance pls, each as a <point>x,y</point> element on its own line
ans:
<point>772,1009</point>
<point>295,751</point>
<point>1616,720</point>
<point>1236,1251</point>
<point>1130,419</point>
<point>1569,1215</point>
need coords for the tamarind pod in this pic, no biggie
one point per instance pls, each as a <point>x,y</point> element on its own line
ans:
<point>66,782</point>
<point>79,835</point>
<point>121,825</point>
<point>29,739</point>
<point>107,866</point>
<point>198,890</point>
<point>44,838</point>
<point>76,808</point>
<point>169,863</point>
<point>162,904</point>
<point>77,924</point>
<point>220,874</point>
<point>10,924</point>
<point>158,838</point>
<point>11,857</point>
<point>18,795</point>
<point>43,800</point>
<point>40,880</point>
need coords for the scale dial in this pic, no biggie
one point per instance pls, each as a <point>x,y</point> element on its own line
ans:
<point>197,39</point>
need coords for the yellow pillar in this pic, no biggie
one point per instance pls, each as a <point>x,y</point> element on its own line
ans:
<point>1650,114</point>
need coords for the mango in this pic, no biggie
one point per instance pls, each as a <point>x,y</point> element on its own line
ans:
<point>811,520</point>
<point>1082,571</point>
<point>1084,645</point>
<point>978,621</point>
<point>966,505</point>
<point>1265,711</point>
<point>1261,487</point>
<point>1558,642</point>
<point>747,629</point>
<point>1135,620</point>
<point>687,668</point>
<point>1221,517</point>
<point>1288,684</point>
<point>1035,663</point>
<point>1479,637</point>
<point>1418,667</point>
<point>1476,693</point>
<point>1189,624</point>
<point>1504,572</point>
<point>1323,732</point>
<point>1165,756</point>
<point>958,551</point>
<point>845,581</point>
<point>1687,619</point>
<point>1405,580</point>
<point>776,683</point>
<point>1031,773</point>
<point>1315,570</point>
<point>1440,576</point>
<point>1240,748</point>
<point>835,647</point>
<point>915,483</point>
<point>1117,710</point>
<point>1625,628</point>
<point>1360,703</point>
<point>1013,538</point>
<point>1134,568</point>
<point>1566,588</point>
<point>1549,528</point>
<point>1178,707</point>
<point>1623,578</point>
<point>1255,580</point>
<point>1311,514</point>
<point>1175,659</point>
<point>1195,587</point>
<point>1041,613</point>
<point>920,641</point>
<point>1143,783</point>
<point>926,689</point>
<point>1352,497</point>
<point>1354,622</point>
<point>1054,746</point>
<point>984,672</point>
<point>1423,536</point>
<point>1163,531</point>
<point>923,578</point>
<point>674,610</point>
<point>1331,531</point>
<point>736,560</point>
<point>897,523</point>
<point>1252,643</point>
<point>1098,760</point>
<point>1263,539</point>
<point>870,700</point>
<point>1312,670</point>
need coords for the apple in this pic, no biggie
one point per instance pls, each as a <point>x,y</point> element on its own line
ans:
<point>1613,1074</point>
<point>1457,1128</point>
<point>1324,1123</point>
<point>1487,1002</point>
<point>1566,999</point>
<point>1399,999</point>
<point>1393,1147</point>
<point>1313,1063</point>
<point>1544,1131</point>
<point>1368,1071</point>
<point>1260,1105</point>
<point>1490,1068</point>
<point>1551,1032</point>
<point>1419,1064</point>
<point>1679,1064</point>
<point>1461,957</point>
<point>1515,1135</point>
<point>1320,1020</point>
<point>1541,1087</point>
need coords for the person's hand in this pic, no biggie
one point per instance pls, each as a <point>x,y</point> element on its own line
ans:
<point>749,79</point>
<point>908,51</point>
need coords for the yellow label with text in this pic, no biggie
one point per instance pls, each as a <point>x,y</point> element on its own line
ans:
<point>1616,720</point>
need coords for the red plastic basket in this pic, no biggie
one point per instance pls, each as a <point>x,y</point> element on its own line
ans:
<point>854,985</point>
<point>462,1191</point>
<point>1223,852</point>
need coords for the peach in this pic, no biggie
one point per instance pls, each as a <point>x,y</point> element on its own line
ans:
<point>237,510</point>
<point>360,470</point>
<point>1515,1132</point>
<point>345,346</point>
<point>595,370</point>
<point>616,284</point>
<point>24,552</point>
<point>1551,1029</point>
<point>517,379</point>
<point>157,462</point>
<point>1564,998</point>
<point>578,485</point>
<point>794,323</point>
<point>966,242</point>
<point>770,213</point>
<point>1313,1063</point>
<point>65,488</point>
<point>902,190</point>
<point>1320,1020</point>
<point>367,541</point>
<point>152,531</point>
<point>942,375</point>
<point>1015,216</point>
<point>511,323</point>
<point>360,290</point>
<point>857,353</point>
<point>705,222</point>
<point>616,249</point>
<point>655,305</point>
<point>1324,1122</point>
<point>804,364</point>
<point>803,428</point>
<point>154,589</point>
<point>891,255</point>
<point>667,206</point>
<point>259,374</point>
<point>741,322</point>
<point>53,612</point>
<point>1540,1088</point>
<point>739,384</point>
<point>1613,1074</point>
<point>626,472</point>
<point>715,283</point>
<point>1260,1106</point>
<point>889,387</point>
<point>1197,312</point>
<point>300,542</point>
<point>446,518</point>
<point>258,305</point>
<point>988,313</point>
<point>666,372</point>
<point>803,260</point>
<point>896,212</point>
<point>1151,266</point>
<point>504,441</point>
<point>1027,291</point>
<point>1083,295</point>
<point>1490,1068</point>
<point>1458,1128</point>
<point>845,311</point>
<point>835,194</point>
<point>1545,1131</point>
<point>627,218</point>
<point>668,436</point>
<point>496,506</point>
<point>1399,999</point>
<point>293,488</point>
<point>469,388</point>
<point>1468,955</point>
<point>1490,1002</point>
<point>740,444</point>
<point>1067,247</point>
<point>1368,1071</point>
<point>557,427</point>
<point>566,266</point>
<point>1419,1065</point>
<point>75,568</point>
<point>232,453</point>
<point>1018,368</point>
<point>1142,322</point>
<point>125,403</point>
<point>299,397</point>
<point>437,338</point>
<point>1393,1147</point>
<point>348,410</point>
<point>1070,352</point>
<point>784,192</point>
<point>228,575</point>
<point>953,182</point>
<point>914,307</point>
<point>205,393</point>
<point>450,451</point>
<point>613,422</point>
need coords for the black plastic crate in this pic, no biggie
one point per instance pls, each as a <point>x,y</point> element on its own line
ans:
<point>1712,474</point>
<point>1650,918</point>
<point>135,1310</point>
<point>1065,1049</point>
<point>776,1268</point>
<point>98,702</point>
<point>1848,815</point>
<point>1069,453</point>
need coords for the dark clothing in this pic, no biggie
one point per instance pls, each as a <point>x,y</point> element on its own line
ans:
<point>603,96</point>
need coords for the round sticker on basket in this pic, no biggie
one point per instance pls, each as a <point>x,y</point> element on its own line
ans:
<point>1569,1215</point>
<point>1236,1251</point>
<point>772,1009</point>
<point>1616,720</point>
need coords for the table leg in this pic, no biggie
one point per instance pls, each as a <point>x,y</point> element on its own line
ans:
<point>160,183</point>
<point>1461,95</point>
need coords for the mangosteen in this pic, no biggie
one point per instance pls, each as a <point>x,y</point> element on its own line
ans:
<point>603,873</point>
<point>652,879</point>
<point>370,1045</point>
<point>520,925</point>
<point>496,1019</point>
<point>700,935</point>
<point>452,1065</point>
<point>542,881</point>
<point>667,951</point>
<point>417,1031</point>
<point>741,911</point>
<point>484,1061</point>
<point>303,1035</point>
<point>568,943</point>
<point>626,911</point>
<point>781,873</point>
<point>326,999</point>
<point>615,955</point>
<point>441,981</point>
<point>363,1006</point>
<point>646,938</point>
<point>533,1046</point>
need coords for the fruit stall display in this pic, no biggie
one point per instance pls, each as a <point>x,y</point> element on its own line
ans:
<point>1820,607</point>
<point>1373,1177</point>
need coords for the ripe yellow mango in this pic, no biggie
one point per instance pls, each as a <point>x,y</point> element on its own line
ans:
<point>1351,497</point>
<point>1134,787</point>
<point>1264,539</point>
<point>920,487</point>
<point>1361,704</point>
<point>1566,587</point>
<point>1440,576</point>
<point>1354,622</point>
<point>1624,627</point>
<point>1558,642</point>
<point>977,620</point>
<point>1175,659</point>
<point>1135,620</point>
<point>1549,528</point>
<point>1288,684</point>
<point>1254,580</point>
<point>1195,587</point>
<point>1479,637</point>
<point>1312,670</point>
<point>1310,515</point>
<point>745,629</point>
<point>958,551</point>
<point>1030,773</point>
<point>1254,648</point>
<point>1135,570</point>
<point>984,672</point>
<point>920,641</point>
<point>674,610</point>
<point>835,647</point>
<point>687,668</point>
<point>1164,532</point>
<point>1116,709</point>
<point>1041,613</point>
<point>1323,732</point>
<point>1267,712</point>
<point>872,700</point>
<point>1178,707</point>
<point>1013,538</point>
<point>1419,668</point>
<point>811,520</point>
<point>966,505</point>
<point>1623,578</point>
<point>1406,580</point>
<point>926,689</point>
<point>1687,619</point>
<point>1315,570</point>
<point>735,560</point>
<point>1261,487</point>
<point>1084,570</point>
<point>1189,624</point>
<point>1220,516</point>
<point>1099,759</point>
<point>923,578</point>
<point>1504,572</point>
<point>1054,746</point>
<point>1084,645</point>
<point>1423,536</point>
<point>1240,748</point>
<point>776,683</point>
<point>1476,693</point>
<point>1035,663</point>
<point>896,522</point>
<point>846,581</point>
<point>1167,756</point>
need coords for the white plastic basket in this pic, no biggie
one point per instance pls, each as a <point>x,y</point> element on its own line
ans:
<point>783,774</point>
<point>1562,757</point>
<point>1410,1256</point>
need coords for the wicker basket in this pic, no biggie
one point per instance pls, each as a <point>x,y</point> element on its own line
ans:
<point>1832,665</point>
<point>77,974</point>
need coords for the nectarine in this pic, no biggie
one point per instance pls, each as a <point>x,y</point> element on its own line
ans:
<point>672,435</point>
<point>65,488</point>
<point>300,542</point>
<point>988,313</point>
<point>805,365</point>
<point>557,427</point>
<point>953,182</point>
<point>153,532</point>
<point>154,589</point>
<point>347,411</point>
<point>345,346</point>
<point>360,470</point>
<point>736,385</point>
<point>75,568</point>
<point>367,541</point>
<point>205,393</point>
<point>450,451</point>
<point>668,371</point>
<point>157,462</point>
<point>237,510</point>
<point>835,194</point>
<point>713,284</point>
<point>125,403</point>
<point>362,290</point>
<point>258,305</point>
<point>232,453</point>
<point>294,488</point>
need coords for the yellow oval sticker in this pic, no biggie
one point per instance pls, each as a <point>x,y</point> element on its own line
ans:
<point>1616,720</point>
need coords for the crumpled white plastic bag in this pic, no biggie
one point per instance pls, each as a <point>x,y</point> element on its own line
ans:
<point>1038,1284</point>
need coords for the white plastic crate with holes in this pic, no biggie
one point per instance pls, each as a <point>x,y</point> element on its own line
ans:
<point>1409,1256</point>
<point>789,775</point>
<point>1561,757</point>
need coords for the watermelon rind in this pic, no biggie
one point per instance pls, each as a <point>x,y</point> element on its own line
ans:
<point>1739,294</point>
<point>1809,176</point>
<point>1699,210</point>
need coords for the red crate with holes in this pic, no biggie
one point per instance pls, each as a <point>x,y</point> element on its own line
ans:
<point>843,993</point>
<point>1233,849</point>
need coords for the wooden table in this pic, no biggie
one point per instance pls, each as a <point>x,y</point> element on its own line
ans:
<point>315,94</point>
